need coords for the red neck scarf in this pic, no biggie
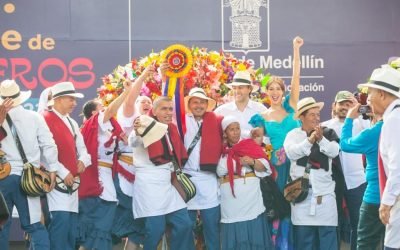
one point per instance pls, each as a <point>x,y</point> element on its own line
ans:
<point>247,147</point>
<point>211,142</point>
<point>159,152</point>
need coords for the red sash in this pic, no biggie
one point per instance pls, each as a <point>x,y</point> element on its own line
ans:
<point>65,141</point>
<point>381,172</point>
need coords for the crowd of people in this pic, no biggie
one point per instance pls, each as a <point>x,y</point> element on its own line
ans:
<point>119,176</point>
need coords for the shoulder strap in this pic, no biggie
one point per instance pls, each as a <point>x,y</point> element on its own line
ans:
<point>396,106</point>
<point>16,138</point>
<point>195,140</point>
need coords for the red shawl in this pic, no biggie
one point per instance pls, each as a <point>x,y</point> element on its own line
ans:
<point>159,152</point>
<point>90,184</point>
<point>247,147</point>
<point>211,142</point>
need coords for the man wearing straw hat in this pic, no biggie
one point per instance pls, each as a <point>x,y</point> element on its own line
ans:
<point>156,144</point>
<point>203,140</point>
<point>243,108</point>
<point>384,97</point>
<point>63,200</point>
<point>38,144</point>
<point>312,147</point>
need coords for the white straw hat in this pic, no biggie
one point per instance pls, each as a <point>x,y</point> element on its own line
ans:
<point>199,93</point>
<point>385,78</point>
<point>306,104</point>
<point>151,130</point>
<point>10,89</point>
<point>63,89</point>
<point>242,78</point>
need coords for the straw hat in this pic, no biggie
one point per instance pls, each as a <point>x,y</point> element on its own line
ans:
<point>306,104</point>
<point>385,78</point>
<point>199,93</point>
<point>242,78</point>
<point>151,130</point>
<point>63,89</point>
<point>10,89</point>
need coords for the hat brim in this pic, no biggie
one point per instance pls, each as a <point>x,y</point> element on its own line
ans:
<point>23,97</point>
<point>155,134</point>
<point>254,89</point>
<point>76,95</point>
<point>371,85</point>
<point>211,102</point>
<point>319,105</point>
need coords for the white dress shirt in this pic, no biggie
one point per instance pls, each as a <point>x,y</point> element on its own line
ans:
<point>59,201</point>
<point>37,142</point>
<point>153,193</point>
<point>308,212</point>
<point>389,149</point>
<point>207,188</point>
<point>244,116</point>
<point>352,164</point>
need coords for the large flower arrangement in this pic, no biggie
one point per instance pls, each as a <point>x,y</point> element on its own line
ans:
<point>211,71</point>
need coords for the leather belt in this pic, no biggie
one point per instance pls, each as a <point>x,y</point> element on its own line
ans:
<point>225,178</point>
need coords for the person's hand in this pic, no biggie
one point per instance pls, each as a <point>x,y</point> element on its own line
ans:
<point>148,71</point>
<point>298,42</point>
<point>81,167</point>
<point>164,66</point>
<point>318,133</point>
<point>127,84</point>
<point>136,126</point>
<point>257,135</point>
<point>246,160</point>
<point>384,213</point>
<point>353,111</point>
<point>69,180</point>
<point>313,137</point>
<point>52,180</point>
<point>4,108</point>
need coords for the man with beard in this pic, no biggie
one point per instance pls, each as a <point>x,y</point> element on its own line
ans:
<point>352,164</point>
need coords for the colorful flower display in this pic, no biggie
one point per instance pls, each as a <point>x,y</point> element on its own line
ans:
<point>211,70</point>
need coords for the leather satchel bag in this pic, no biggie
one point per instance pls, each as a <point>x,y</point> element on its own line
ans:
<point>297,191</point>
<point>183,184</point>
<point>34,181</point>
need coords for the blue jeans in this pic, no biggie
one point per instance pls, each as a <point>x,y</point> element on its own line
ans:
<point>63,230</point>
<point>181,230</point>
<point>315,237</point>
<point>353,199</point>
<point>210,218</point>
<point>14,196</point>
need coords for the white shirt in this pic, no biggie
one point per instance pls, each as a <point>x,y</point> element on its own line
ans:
<point>244,117</point>
<point>308,212</point>
<point>206,182</point>
<point>153,193</point>
<point>59,201</point>
<point>36,139</point>
<point>38,144</point>
<point>352,164</point>
<point>105,174</point>
<point>247,203</point>
<point>127,125</point>
<point>389,148</point>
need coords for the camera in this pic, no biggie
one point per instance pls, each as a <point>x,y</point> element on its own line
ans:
<point>364,109</point>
